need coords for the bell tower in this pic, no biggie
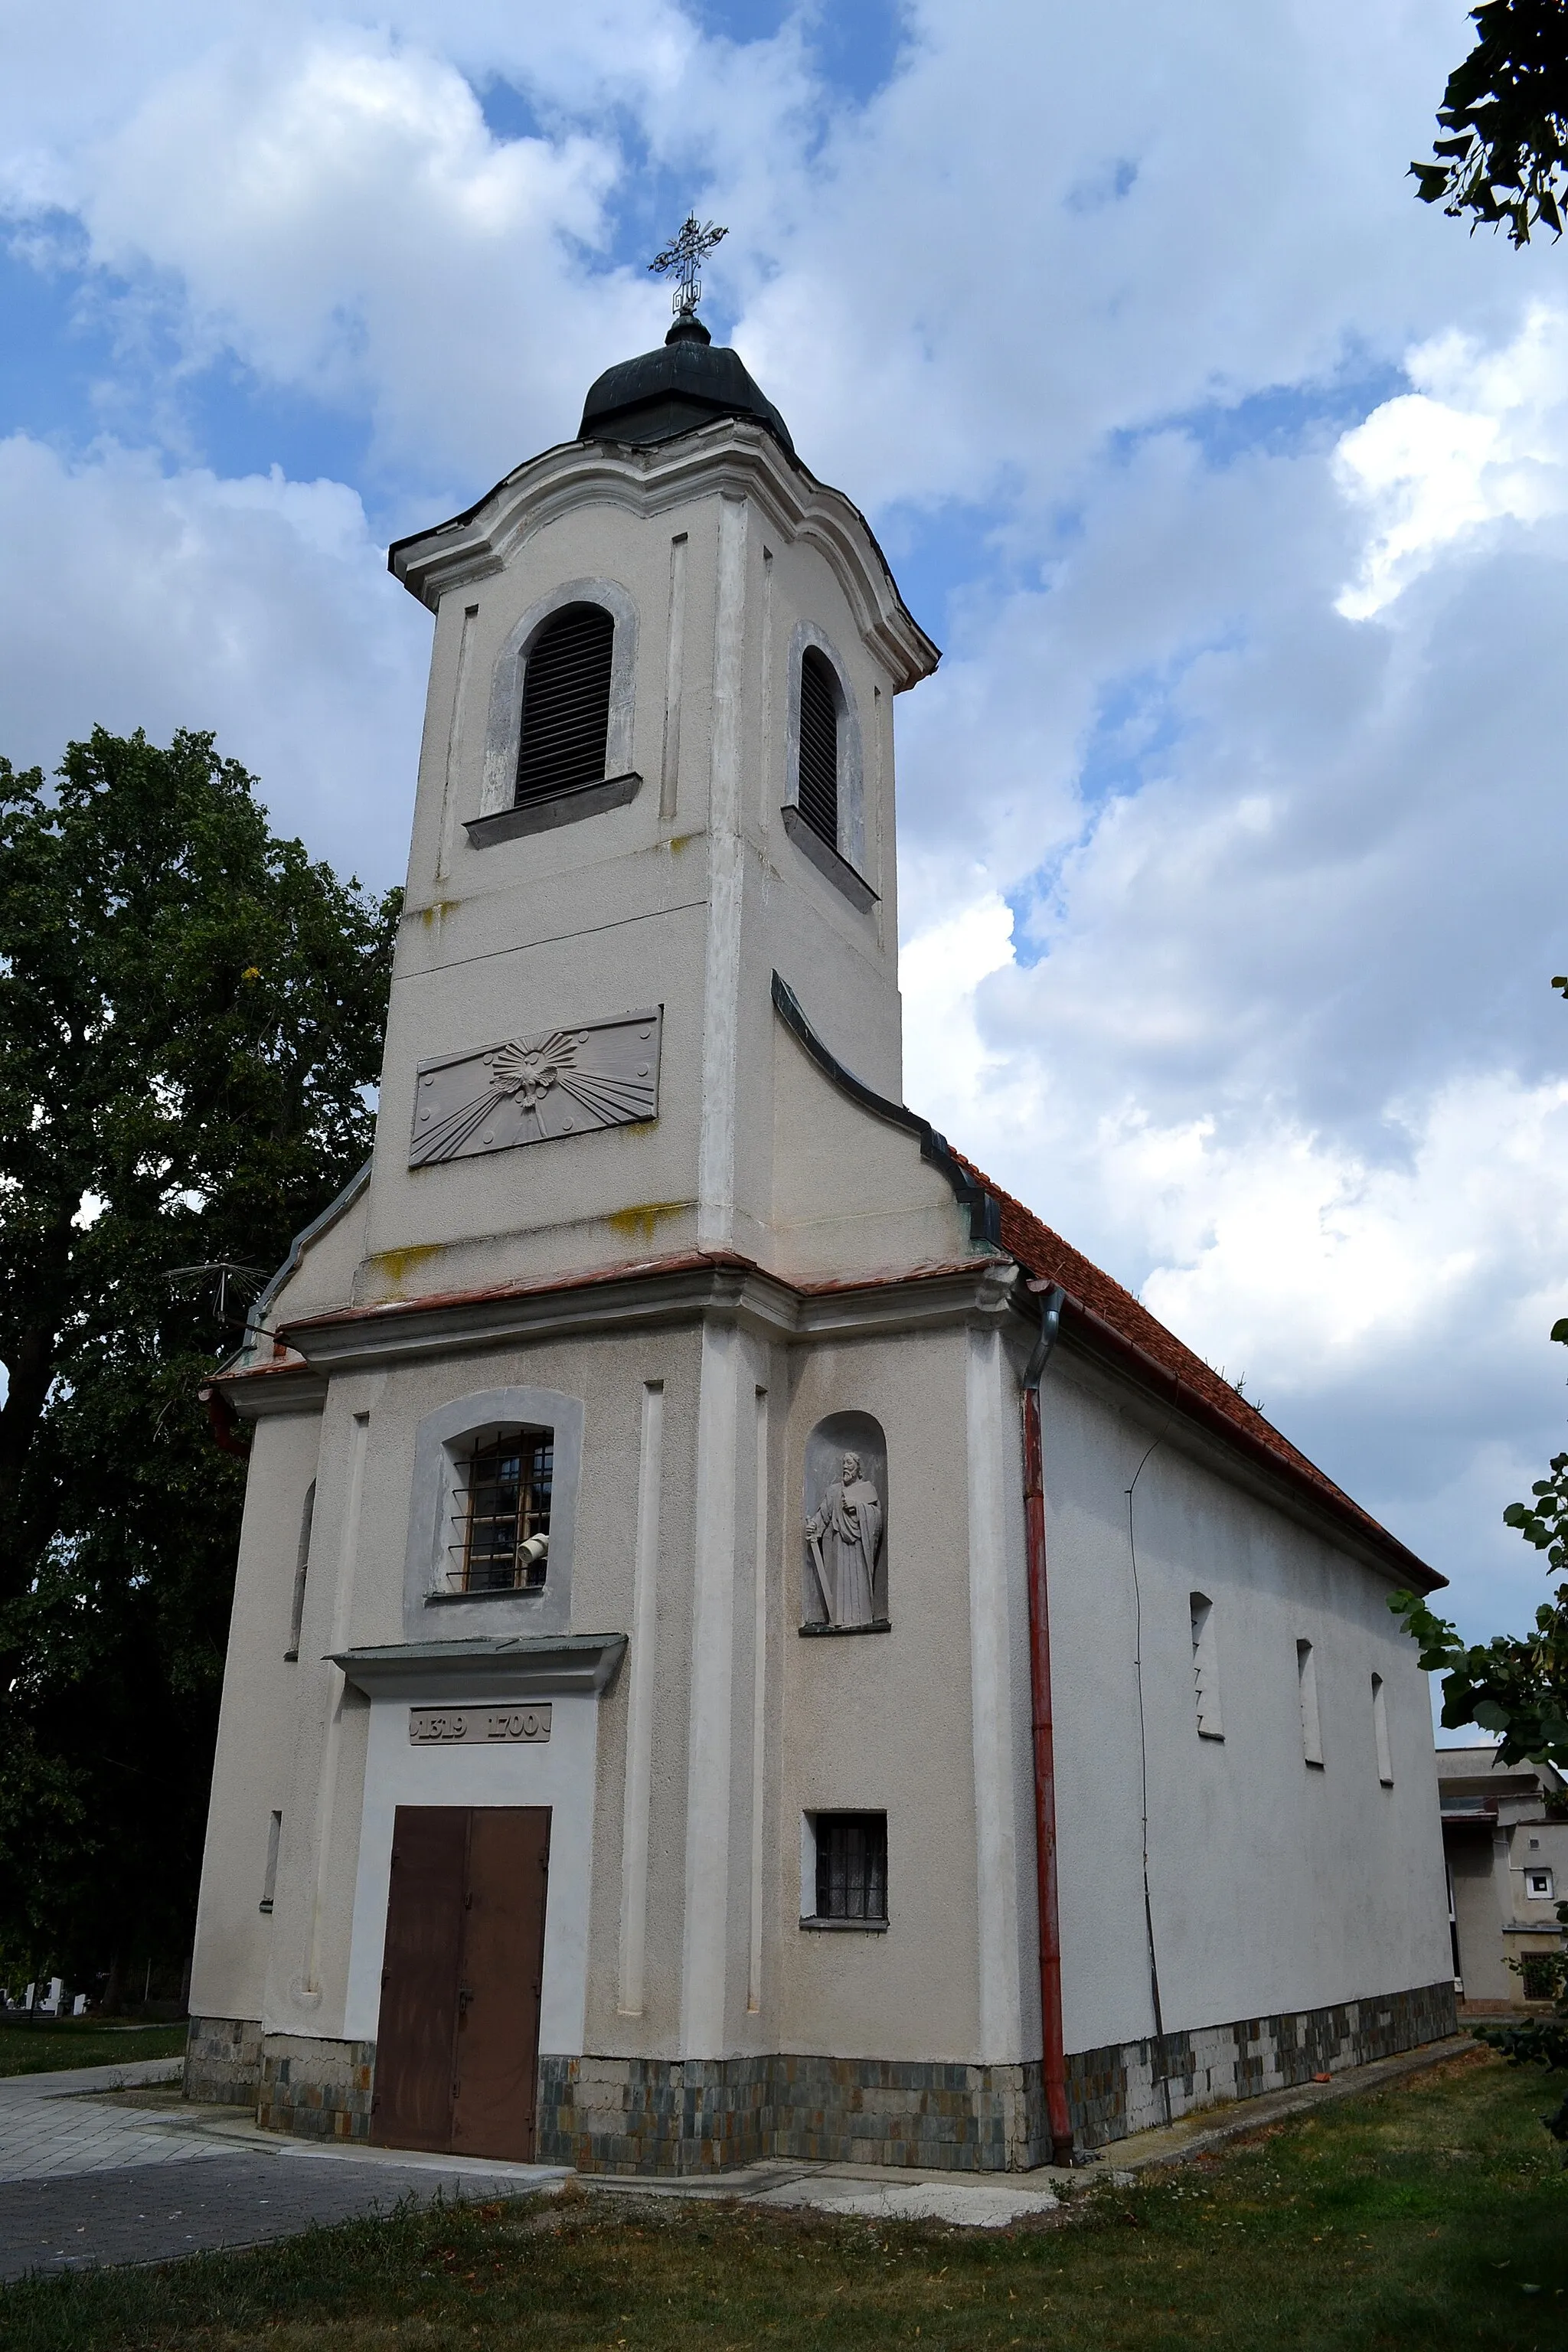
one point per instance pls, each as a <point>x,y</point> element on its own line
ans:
<point>657,771</point>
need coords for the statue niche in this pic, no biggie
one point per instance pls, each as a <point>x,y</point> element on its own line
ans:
<point>844,1585</point>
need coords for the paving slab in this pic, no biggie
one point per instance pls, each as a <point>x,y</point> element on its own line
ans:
<point>155,2214</point>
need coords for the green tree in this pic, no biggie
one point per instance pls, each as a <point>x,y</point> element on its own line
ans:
<point>1516,1686</point>
<point>1504,159</point>
<point>191,1014</point>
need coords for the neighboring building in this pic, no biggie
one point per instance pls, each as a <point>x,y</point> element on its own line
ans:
<point>636,1742</point>
<point>1505,1841</point>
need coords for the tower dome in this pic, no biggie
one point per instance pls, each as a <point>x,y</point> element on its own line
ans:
<point>686,383</point>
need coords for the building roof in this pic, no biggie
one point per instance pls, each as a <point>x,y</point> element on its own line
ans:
<point>687,383</point>
<point>1105,1312</point>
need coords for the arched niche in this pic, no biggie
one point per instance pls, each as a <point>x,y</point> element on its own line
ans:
<point>839,1575</point>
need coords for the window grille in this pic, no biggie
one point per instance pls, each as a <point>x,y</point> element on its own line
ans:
<point>852,1866</point>
<point>566,703</point>
<point>501,1514</point>
<point>817,795</point>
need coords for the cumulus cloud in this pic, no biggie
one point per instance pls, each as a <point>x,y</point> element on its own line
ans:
<point>1483,441</point>
<point>1230,826</point>
<point>260,608</point>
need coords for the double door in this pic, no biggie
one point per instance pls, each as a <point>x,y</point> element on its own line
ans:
<point>456,2064</point>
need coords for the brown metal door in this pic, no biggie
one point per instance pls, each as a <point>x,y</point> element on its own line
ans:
<point>419,1977</point>
<point>496,2072</point>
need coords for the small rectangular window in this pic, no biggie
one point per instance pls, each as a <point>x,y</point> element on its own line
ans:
<point>1205,1667</point>
<point>269,1884</point>
<point>846,1873</point>
<point>1538,1885</point>
<point>1307,1693</point>
<point>501,1510</point>
<point>1379,1728</point>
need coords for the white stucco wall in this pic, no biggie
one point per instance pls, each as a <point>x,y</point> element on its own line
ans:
<point>1273,1885</point>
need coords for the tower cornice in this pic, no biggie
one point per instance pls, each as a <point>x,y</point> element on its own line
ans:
<point>729,458</point>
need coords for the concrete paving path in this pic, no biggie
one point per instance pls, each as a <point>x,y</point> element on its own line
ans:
<point>87,2177</point>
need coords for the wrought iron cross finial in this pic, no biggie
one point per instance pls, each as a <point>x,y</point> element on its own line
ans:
<point>680,260</point>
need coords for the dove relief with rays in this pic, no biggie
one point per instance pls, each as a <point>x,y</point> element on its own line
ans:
<point>532,1089</point>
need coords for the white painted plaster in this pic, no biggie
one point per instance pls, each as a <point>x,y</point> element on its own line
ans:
<point>558,1773</point>
<point>710,1739</point>
<point>637,1816</point>
<point>716,1144</point>
<point>990,1683</point>
<point>454,740</point>
<point>308,1992</point>
<point>674,680</point>
<point>759,1705</point>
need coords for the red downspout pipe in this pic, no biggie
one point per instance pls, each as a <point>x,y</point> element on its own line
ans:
<point>1054,2053</point>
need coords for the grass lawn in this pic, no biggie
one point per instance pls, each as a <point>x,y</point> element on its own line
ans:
<point>45,2046</point>
<point>1432,2216</point>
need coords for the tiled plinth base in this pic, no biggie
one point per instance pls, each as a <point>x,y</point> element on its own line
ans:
<point>703,2115</point>
<point>695,2115</point>
<point>318,2089</point>
<point>1124,2088</point>
<point>223,2061</point>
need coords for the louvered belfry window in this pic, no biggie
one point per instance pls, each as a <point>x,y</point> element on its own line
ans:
<point>566,703</point>
<point>818,792</point>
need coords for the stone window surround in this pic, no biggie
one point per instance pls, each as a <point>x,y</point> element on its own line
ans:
<point>440,1441</point>
<point>499,817</point>
<point>844,867</point>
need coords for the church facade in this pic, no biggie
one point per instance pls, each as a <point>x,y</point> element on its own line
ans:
<point>744,1643</point>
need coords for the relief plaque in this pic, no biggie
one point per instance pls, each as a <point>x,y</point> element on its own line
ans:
<point>476,1727</point>
<point>532,1089</point>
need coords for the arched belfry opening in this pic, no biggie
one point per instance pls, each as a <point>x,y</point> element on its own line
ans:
<point>566,703</point>
<point>818,780</point>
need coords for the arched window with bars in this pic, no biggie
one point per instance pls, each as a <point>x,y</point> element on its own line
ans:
<point>566,703</point>
<point>817,784</point>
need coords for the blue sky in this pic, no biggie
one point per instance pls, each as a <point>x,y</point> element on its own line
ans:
<point>1233,482</point>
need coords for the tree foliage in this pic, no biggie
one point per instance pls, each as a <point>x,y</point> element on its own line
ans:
<point>190,1014</point>
<point>1504,159</point>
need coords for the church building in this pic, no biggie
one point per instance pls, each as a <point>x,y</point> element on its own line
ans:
<point>745,1644</point>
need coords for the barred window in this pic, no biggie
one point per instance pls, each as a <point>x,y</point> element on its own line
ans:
<point>501,1514</point>
<point>566,703</point>
<point>817,793</point>
<point>852,1866</point>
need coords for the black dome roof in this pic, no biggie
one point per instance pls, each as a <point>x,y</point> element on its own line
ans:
<point>674,390</point>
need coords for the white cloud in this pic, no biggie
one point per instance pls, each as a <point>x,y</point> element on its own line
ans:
<point>260,608</point>
<point>1268,1029</point>
<point>1484,441</point>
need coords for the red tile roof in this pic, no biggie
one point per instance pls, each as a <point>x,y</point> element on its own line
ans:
<point>1105,1312</point>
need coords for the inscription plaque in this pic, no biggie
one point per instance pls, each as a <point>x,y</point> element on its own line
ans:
<point>533,1089</point>
<point>476,1727</point>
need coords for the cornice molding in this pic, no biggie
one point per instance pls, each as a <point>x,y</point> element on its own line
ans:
<point>728,457</point>
<point>521,1667</point>
<point>679,1290</point>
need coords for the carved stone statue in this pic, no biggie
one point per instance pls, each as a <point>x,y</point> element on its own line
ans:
<point>843,1540</point>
